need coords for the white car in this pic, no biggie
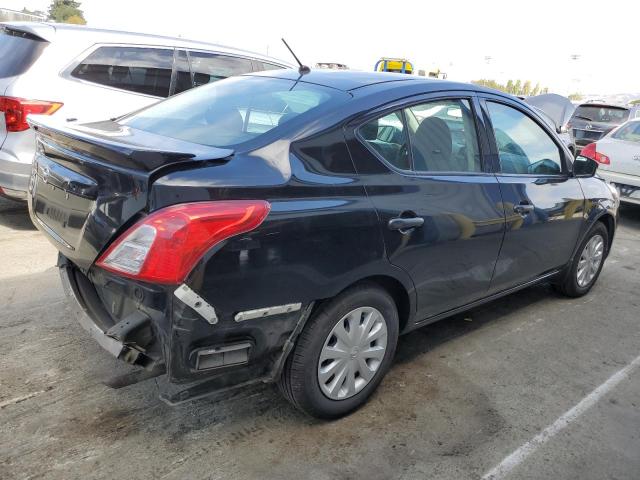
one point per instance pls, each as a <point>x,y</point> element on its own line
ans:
<point>83,74</point>
<point>618,154</point>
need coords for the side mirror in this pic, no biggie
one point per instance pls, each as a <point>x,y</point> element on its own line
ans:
<point>584,167</point>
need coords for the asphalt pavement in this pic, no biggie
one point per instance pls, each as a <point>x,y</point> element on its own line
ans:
<point>532,386</point>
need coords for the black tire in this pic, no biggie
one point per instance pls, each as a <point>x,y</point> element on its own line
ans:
<point>568,284</point>
<point>299,381</point>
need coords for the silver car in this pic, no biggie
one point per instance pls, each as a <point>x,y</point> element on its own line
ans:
<point>618,153</point>
<point>83,74</point>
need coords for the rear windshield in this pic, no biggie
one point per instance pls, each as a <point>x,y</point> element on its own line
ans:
<point>18,51</point>
<point>232,111</point>
<point>602,114</point>
<point>629,132</point>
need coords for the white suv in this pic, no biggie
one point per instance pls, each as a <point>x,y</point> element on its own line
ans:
<point>84,74</point>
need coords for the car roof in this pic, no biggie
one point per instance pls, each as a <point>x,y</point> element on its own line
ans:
<point>51,31</point>
<point>348,80</point>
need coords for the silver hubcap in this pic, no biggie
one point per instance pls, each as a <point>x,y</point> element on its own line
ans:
<point>352,353</point>
<point>590,260</point>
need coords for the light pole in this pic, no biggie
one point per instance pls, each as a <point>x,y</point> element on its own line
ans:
<point>573,82</point>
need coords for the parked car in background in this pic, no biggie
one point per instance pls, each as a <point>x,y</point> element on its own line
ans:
<point>332,66</point>
<point>556,110</point>
<point>592,121</point>
<point>562,133</point>
<point>292,234</point>
<point>83,74</point>
<point>619,156</point>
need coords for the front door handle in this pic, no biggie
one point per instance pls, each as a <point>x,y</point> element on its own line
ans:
<point>405,224</point>
<point>523,208</point>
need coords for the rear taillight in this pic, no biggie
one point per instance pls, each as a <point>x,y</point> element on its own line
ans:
<point>16,110</point>
<point>165,246</point>
<point>590,152</point>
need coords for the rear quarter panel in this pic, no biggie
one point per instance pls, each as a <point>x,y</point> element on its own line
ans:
<point>599,202</point>
<point>321,236</point>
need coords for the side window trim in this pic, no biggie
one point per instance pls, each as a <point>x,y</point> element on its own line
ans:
<point>484,99</point>
<point>405,126</point>
<point>402,105</point>
<point>174,72</point>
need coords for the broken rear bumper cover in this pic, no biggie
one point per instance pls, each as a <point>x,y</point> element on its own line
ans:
<point>114,347</point>
<point>200,352</point>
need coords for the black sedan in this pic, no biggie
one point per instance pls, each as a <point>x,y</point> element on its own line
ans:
<point>288,227</point>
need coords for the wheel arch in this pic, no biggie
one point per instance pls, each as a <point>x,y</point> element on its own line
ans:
<point>402,295</point>
<point>609,222</point>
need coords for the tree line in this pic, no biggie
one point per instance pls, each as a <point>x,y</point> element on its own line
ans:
<point>61,11</point>
<point>517,87</point>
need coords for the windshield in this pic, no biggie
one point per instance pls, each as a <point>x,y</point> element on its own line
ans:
<point>232,111</point>
<point>18,51</point>
<point>602,114</point>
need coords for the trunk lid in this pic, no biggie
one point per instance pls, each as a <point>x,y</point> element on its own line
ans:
<point>89,181</point>
<point>624,155</point>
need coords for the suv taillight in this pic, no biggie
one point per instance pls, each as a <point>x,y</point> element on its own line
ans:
<point>590,152</point>
<point>165,246</point>
<point>16,110</point>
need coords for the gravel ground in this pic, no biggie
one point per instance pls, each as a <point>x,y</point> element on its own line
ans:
<point>464,393</point>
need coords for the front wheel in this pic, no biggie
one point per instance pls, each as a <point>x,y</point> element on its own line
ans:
<point>343,353</point>
<point>587,264</point>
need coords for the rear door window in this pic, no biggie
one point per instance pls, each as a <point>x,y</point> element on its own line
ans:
<point>388,137</point>
<point>523,146</point>
<point>135,69</point>
<point>431,137</point>
<point>210,67</point>
<point>443,137</point>
<point>18,51</point>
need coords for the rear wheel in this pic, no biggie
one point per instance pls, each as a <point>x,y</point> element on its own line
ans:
<point>585,268</point>
<point>343,353</point>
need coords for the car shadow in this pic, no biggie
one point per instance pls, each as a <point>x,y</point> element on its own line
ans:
<point>15,215</point>
<point>431,336</point>
<point>410,347</point>
<point>630,216</point>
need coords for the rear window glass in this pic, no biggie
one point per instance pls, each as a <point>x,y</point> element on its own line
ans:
<point>602,114</point>
<point>629,132</point>
<point>18,51</point>
<point>232,111</point>
<point>136,69</point>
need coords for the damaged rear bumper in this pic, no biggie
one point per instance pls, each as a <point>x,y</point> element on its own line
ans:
<point>163,333</point>
<point>115,347</point>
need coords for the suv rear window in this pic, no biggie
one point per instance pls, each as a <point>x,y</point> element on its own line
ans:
<point>18,51</point>
<point>136,69</point>
<point>232,111</point>
<point>602,114</point>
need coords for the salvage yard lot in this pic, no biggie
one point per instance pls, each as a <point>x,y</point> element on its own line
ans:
<point>464,393</point>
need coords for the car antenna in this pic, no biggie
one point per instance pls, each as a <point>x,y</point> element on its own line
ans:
<point>303,68</point>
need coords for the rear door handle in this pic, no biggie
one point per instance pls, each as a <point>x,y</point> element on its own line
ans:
<point>523,208</point>
<point>405,224</point>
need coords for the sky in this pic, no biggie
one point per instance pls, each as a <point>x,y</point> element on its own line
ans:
<point>567,45</point>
